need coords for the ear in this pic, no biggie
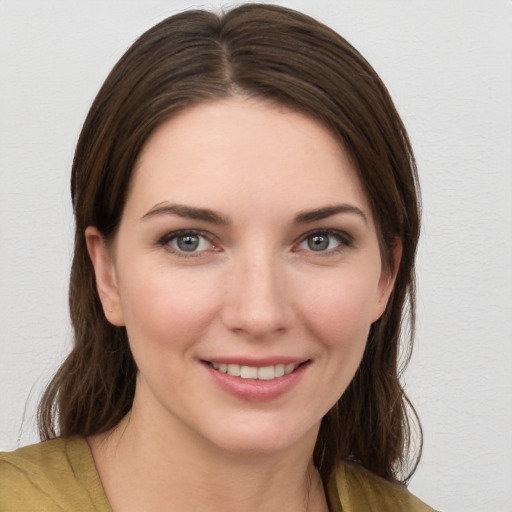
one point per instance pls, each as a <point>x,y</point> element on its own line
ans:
<point>105,272</point>
<point>387,280</point>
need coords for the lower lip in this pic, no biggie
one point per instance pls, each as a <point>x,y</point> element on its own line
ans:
<point>255,390</point>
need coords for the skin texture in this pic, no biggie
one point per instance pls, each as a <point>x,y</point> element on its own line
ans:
<point>253,291</point>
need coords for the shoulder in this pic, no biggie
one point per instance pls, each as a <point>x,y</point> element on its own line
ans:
<point>52,475</point>
<point>360,489</point>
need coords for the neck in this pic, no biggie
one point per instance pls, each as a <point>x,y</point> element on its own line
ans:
<point>145,465</point>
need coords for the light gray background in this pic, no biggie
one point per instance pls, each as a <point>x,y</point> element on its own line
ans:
<point>448,65</point>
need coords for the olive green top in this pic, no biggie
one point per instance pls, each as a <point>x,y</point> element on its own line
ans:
<point>60,475</point>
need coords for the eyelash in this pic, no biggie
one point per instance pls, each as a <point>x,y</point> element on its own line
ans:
<point>166,240</point>
<point>344,239</point>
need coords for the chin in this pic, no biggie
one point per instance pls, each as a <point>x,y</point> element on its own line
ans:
<point>261,438</point>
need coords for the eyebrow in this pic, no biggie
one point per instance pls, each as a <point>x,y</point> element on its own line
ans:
<point>188,212</point>
<point>328,211</point>
<point>207,215</point>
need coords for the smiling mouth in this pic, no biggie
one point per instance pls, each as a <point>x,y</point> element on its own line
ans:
<point>256,373</point>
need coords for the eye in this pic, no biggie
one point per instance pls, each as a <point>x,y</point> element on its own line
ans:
<point>324,241</point>
<point>186,242</point>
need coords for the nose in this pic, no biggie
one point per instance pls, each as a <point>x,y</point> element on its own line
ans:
<point>258,303</point>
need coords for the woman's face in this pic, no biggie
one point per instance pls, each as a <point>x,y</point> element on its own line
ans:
<point>247,272</point>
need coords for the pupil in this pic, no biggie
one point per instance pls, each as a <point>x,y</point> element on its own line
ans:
<point>318,242</point>
<point>188,243</point>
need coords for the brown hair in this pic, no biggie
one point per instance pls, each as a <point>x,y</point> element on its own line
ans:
<point>289,58</point>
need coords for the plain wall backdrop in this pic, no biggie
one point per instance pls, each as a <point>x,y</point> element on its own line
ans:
<point>448,66</point>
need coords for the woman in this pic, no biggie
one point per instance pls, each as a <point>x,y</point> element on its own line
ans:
<point>246,226</point>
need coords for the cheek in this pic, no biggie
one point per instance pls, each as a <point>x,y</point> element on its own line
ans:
<point>339,318</point>
<point>341,309</point>
<point>166,309</point>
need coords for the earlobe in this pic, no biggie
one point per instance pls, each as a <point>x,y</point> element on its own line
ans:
<point>105,273</point>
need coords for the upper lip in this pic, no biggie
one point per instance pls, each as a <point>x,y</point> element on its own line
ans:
<point>256,362</point>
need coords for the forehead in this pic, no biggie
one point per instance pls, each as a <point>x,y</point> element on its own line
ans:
<point>244,150</point>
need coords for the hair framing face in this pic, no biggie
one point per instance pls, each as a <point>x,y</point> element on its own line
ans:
<point>290,59</point>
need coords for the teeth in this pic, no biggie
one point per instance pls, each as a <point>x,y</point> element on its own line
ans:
<point>289,368</point>
<point>266,373</point>
<point>233,369</point>
<point>249,372</point>
<point>279,370</point>
<point>253,372</point>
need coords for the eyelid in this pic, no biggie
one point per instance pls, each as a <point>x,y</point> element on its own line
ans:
<point>344,238</point>
<point>172,235</point>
